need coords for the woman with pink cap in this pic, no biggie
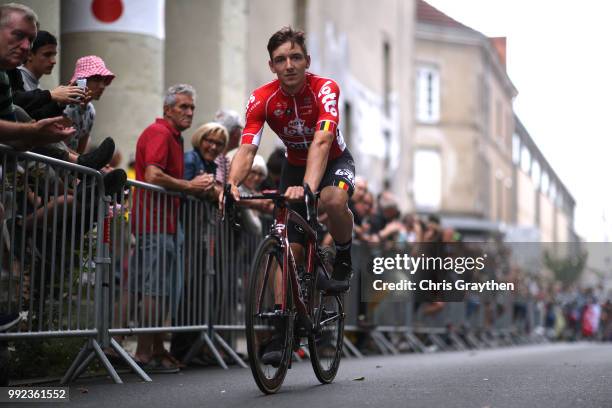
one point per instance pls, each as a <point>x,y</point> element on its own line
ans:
<point>98,77</point>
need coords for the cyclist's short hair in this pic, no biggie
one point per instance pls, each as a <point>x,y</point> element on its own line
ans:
<point>287,34</point>
<point>43,38</point>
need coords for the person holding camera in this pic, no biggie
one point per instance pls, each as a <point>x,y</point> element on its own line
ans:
<point>91,74</point>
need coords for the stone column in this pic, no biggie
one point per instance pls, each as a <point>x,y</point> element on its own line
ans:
<point>129,36</point>
<point>206,47</point>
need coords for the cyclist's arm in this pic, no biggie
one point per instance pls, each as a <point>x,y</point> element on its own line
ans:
<point>251,135</point>
<point>317,158</point>
<point>318,152</point>
<point>241,164</point>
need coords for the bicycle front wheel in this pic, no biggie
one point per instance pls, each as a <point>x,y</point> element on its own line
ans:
<point>326,341</point>
<point>265,324</point>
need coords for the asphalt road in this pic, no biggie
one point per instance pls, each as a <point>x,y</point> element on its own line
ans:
<point>559,375</point>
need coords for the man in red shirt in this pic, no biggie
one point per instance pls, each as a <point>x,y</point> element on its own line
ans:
<point>159,161</point>
<point>302,109</point>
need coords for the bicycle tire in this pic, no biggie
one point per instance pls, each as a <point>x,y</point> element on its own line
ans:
<point>269,379</point>
<point>325,345</point>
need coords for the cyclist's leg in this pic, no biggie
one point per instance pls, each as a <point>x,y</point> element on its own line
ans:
<point>337,186</point>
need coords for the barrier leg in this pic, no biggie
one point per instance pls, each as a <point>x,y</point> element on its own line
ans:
<point>214,350</point>
<point>83,365</point>
<point>350,346</point>
<point>381,347</point>
<point>473,342</point>
<point>435,339</point>
<point>130,361</point>
<point>485,340</point>
<point>195,347</point>
<point>386,343</point>
<point>230,351</point>
<point>77,361</point>
<point>416,344</point>
<point>107,365</point>
<point>459,344</point>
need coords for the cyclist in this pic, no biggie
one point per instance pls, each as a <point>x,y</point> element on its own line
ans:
<point>302,109</point>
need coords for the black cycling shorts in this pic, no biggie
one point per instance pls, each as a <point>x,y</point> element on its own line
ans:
<point>339,172</point>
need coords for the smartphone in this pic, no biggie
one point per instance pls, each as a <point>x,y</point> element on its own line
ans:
<point>81,83</point>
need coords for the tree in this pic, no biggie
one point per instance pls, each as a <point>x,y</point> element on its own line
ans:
<point>566,270</point>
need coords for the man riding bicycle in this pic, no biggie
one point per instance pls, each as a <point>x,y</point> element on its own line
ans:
<point>302,109</point>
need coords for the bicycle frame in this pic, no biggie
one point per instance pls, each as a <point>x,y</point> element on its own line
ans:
<point>282,216</point>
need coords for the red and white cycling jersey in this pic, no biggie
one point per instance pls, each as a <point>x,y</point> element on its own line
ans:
<point>295,118</point>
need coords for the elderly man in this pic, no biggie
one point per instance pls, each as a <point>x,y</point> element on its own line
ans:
<point>18,25</point>
<point>159,161</point>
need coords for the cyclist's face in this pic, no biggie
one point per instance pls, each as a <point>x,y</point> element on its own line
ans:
<point>289,64</point>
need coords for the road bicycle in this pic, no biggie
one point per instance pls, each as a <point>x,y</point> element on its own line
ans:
<point>283,298</point>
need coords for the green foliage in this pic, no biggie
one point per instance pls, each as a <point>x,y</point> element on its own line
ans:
<point>43,357</point>
<point>566,270</point>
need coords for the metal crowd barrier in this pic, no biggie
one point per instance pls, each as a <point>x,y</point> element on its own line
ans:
<point>165,250</point>
<point>80,263</point>
<point>52,253</point>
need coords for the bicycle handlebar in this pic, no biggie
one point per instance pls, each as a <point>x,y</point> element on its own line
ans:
<point>229,201</point>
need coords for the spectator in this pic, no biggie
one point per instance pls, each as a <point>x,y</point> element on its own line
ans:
<point>33,102</point>
<point>98,77</point>
<point>40,61</point>
<point>385,224</point>
<point>361,187</point>
<point>18,25</point>
<point>159,161</point>
<point>208,143</point>
<point>233,124</point>
<point>250,214</point>
<point>39,103</point>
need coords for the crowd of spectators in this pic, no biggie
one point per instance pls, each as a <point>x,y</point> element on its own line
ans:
<point>59,122</point>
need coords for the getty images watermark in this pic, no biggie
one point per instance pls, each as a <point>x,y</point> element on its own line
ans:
<point>436,273</point>
<point>422,263</point>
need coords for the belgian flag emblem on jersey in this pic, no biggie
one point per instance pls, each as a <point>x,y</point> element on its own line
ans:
<point>327,125</point>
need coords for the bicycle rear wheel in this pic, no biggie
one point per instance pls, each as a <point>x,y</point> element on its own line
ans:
<point>264,324</point>
<point>326,341</point>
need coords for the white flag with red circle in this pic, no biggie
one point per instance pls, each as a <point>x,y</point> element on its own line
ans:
<point>131,16</point>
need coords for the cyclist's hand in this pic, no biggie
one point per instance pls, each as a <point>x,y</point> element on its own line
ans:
<point>295,193</point>
<point>235,194</point>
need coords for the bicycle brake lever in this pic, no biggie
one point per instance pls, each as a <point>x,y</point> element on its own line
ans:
<point>308,195</point>
<point>228,207</point>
